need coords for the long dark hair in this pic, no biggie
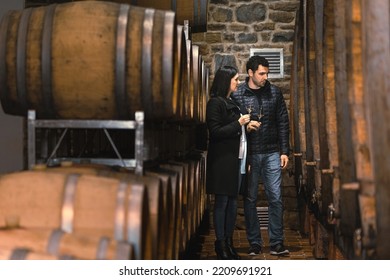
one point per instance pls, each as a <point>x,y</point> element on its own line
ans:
<point>221,82</point>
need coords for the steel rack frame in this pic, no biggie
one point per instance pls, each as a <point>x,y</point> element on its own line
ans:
<point>137,124</point>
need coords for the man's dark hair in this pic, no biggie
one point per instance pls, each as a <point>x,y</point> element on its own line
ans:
<point>254,62</point>
<point>222,79</point>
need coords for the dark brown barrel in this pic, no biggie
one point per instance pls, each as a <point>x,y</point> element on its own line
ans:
<point>173,208</point>
<point>78,203</point>
<point>197,80</point>
<point>205,73</point>
<point>88,60</point>
<point>191,198</point>
<point>61,244</point>
<point>180,85</point>
<point>339,123</point>
<point>178,192</point>
<point>165,239</point>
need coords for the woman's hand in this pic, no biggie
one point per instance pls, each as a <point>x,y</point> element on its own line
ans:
<point>244,119</point>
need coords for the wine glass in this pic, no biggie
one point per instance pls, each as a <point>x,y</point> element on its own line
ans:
<point>261,113</point>
<point>249,109</point>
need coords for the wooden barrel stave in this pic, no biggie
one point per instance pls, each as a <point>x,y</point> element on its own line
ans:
<point>77,246</point>
<point>25,254</point>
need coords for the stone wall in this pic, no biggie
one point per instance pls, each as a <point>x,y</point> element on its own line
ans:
<point>236,26</point>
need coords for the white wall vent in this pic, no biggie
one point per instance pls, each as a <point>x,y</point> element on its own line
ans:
<point>275,59</point>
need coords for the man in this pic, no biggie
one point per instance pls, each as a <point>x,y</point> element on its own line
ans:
<point>268,150</point>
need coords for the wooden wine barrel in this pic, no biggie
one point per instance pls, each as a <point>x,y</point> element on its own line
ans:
<point>157,210</point>
<point>195,11</point>
<point>70,167</point>
<point>314,122</point>
<point>25,254</point>
<point>198,159</point>
<point>178,194</point>
<point>59,243</point>
<point>77,203</point>
<point>189,82</point>
<point>376,87</point>
<point>182,76</point>
<point>197,80</point>
<point>165,240</point>
<point>205,73</point>
<point>175,174</point>
<point>157,194</point>
<point>88,60</point>
<point>190,199</point>
<point>340,135</point>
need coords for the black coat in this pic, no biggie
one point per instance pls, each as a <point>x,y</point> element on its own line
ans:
<point>222,116</point>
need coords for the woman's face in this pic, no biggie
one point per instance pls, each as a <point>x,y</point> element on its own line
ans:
<point>233,84</point>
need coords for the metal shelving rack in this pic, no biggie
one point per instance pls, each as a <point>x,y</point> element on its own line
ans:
<point>137,124</point>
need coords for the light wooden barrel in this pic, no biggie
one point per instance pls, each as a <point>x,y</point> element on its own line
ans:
<point>78,203</point>
<point>59,244</point>
<point>88,60</point>
<point>25,254</point>
<point>157,195</point>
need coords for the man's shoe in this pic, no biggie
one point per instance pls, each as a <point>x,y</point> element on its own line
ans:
<point>279,249</point>
<point>254,250</point>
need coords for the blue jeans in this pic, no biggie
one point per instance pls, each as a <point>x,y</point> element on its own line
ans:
<point>225,213</point>
<point>267,166</point>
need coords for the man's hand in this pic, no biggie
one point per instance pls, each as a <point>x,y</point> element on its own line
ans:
<point>283,161</point>
<point>253,126</point>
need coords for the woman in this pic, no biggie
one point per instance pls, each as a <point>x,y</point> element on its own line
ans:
<point>225,157</point>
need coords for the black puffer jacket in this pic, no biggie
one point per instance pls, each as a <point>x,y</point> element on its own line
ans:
<point>273,135</point>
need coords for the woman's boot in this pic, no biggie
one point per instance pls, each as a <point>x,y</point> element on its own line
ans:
<point>222,250</point>
<point>233,252</point>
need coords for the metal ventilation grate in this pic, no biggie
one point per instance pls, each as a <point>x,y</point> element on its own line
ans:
<point>275,59</point>
<point>262,215</point>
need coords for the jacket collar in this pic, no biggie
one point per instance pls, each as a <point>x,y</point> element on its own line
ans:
<point>262,90</point>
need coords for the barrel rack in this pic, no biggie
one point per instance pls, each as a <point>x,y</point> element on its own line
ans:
<point>137,124</point>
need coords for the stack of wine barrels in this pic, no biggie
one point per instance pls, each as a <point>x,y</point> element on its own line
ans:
<point>91,211</point>
<point>339,113</point>
<point>90,60</point>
